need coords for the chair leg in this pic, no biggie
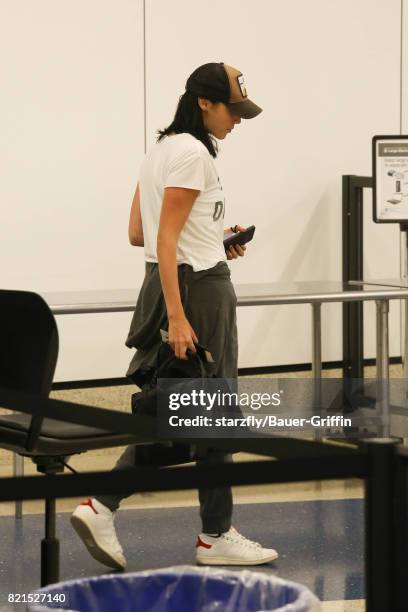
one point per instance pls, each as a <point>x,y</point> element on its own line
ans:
<point>49,547</point>
<point>18,470</point>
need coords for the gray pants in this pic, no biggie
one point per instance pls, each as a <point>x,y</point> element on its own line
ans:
<point>210,305</point>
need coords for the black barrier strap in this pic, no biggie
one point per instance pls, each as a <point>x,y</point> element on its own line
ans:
<point>182,478</point>
<point>143,428</point>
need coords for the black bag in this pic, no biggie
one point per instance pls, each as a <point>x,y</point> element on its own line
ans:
<point>144,402</point>
<point>195,366</point>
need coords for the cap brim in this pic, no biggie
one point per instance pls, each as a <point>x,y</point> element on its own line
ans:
<point>246,109</point>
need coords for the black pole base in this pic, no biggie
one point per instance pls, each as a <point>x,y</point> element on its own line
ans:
<point>49,561</point>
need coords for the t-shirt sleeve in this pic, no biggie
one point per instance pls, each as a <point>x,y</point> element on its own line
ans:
<point>186,170</point>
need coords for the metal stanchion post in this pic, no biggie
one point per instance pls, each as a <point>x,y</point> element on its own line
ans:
<point>317,358</point>
<point>404,336</point>
<point>400,534</point>
<point>379,525</point>
<point>317,340</point>
<point>18,470</point>
<point>404,308</point>
<point>383,365</point>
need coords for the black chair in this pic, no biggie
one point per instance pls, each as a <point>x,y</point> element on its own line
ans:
<point>29,351</point>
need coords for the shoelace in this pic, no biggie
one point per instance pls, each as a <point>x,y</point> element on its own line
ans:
<point>242,539</point>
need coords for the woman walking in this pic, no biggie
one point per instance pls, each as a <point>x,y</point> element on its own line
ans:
<point>177,215</point>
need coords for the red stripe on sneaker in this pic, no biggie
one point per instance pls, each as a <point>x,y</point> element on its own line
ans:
<point>88,502</point>
<point>203,544</point>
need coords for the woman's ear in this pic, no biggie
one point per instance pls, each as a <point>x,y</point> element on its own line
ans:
<point>204,104</point>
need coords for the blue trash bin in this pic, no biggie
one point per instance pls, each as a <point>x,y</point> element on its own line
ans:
<point>178,589</point>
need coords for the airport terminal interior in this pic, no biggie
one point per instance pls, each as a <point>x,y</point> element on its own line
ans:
<point>138,136</point>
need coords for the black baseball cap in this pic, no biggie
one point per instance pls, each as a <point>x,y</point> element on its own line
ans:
<point>219,82</point>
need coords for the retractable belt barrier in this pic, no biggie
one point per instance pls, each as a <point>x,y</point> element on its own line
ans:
<point>340,461</point>
<point>381,463</point>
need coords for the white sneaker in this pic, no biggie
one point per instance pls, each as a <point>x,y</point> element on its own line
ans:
<point>231,548</point>
<point>93,522</point>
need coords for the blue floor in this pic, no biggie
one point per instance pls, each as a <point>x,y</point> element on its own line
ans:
<point>320,544</point>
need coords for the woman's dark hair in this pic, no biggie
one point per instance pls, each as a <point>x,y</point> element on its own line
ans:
<point>189,118</point>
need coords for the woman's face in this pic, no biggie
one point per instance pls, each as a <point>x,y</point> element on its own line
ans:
<point>218,118</point>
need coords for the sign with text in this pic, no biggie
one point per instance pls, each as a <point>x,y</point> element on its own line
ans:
<point>390,179</point>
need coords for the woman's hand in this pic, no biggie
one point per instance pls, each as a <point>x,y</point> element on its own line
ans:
<point>238,250</point>
<point>181,336</point>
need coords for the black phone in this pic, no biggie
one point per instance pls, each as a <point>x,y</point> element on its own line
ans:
<point>233,238</point>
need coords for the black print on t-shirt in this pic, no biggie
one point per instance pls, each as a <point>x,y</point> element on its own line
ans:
<point>218,210</point>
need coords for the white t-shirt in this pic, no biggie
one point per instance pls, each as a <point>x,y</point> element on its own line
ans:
<point>181,160</point>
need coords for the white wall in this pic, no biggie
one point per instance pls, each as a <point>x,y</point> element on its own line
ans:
<point>72,130</point>
<point>404,67</point>
<point>72,114</point>
<point>328,80</point>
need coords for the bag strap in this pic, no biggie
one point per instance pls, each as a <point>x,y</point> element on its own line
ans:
<point>171,358</point>
<point>197,357</point>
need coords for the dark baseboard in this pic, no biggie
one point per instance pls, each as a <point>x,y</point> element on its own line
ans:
<point>297,367</point>
<point>96,382</point>
<point>304,367</point>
